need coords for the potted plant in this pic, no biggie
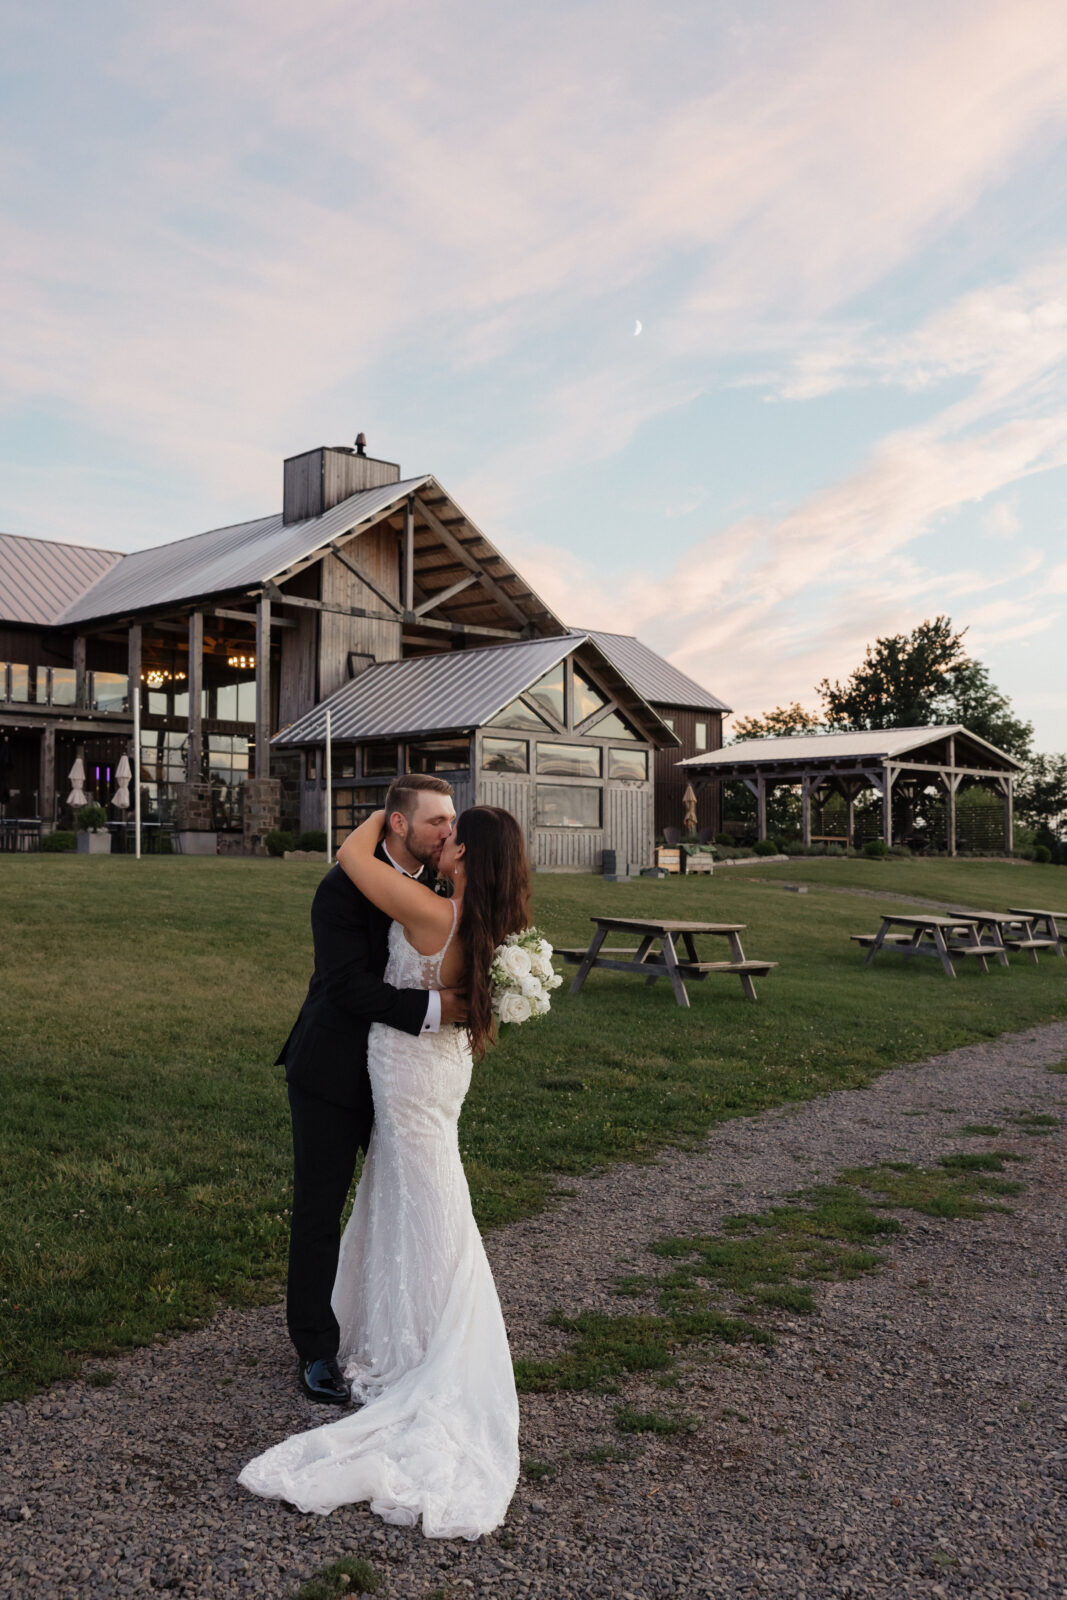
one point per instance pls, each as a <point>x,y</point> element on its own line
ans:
<point>93,837</point>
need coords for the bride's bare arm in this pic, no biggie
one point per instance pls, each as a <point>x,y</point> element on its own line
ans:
<point>413,904</point>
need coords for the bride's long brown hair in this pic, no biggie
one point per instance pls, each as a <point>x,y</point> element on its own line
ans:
<point>496,902</point>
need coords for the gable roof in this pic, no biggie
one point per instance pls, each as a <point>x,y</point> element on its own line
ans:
<point>656,679</point>
<point>868,747</point>
<point>451,554</point>
<point>452,691</point>
<point>40,577</point>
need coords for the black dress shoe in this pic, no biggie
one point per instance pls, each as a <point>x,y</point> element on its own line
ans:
<point>324,1380</point>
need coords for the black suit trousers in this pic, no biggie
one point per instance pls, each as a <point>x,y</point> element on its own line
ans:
<point>326,1140</point>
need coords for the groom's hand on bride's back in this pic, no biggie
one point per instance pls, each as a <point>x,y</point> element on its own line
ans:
<point>453,1006</point>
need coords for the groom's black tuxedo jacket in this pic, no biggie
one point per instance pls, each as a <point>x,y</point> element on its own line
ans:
<point>326,1053</point>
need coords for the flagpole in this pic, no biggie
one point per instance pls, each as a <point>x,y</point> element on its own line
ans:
<point>329,792</point>
<point>136,691</point>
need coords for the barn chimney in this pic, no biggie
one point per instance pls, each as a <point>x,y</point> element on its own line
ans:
<point>320,479</point>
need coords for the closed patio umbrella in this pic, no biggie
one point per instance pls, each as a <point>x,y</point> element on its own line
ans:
<point>689,816</point>
<point>77,795</point>
<point>123,774</point>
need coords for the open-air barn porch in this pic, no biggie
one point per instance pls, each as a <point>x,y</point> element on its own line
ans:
<point>902,765</point>
<point>548,728</point>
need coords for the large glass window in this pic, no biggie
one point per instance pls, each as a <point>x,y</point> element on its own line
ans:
<point>549,693</point>
<point>351,807</point>
<point>701,738</point>
<point>440,755</point>
<point>567,806</point>
<point>227,770</point>
<point>612,727</point>
<point>628,764</point>
<point>64,685</point>
<point>569,760</point>
<point>20,681</point>
<point>505,755</point>
<point>519,715</point>
<point>587,697</point>
<point>380,760</point>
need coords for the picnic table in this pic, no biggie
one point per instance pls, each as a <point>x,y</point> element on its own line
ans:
<point>651,963</point>
<point>1044,932</point>
<point>925,935</point>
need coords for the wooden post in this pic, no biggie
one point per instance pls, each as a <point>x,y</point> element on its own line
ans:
<point>263,687</point>
<point>329,787</point>
<point>409,559</point>
<point>1009,814</point>
<point>950,808</point>
<point>887,804</point>
<point>81,682</point>
<point>761,806</point>
<point>194,682</point>
<point>47,800</point>
<point>133,669</point>
<point>805,810</point>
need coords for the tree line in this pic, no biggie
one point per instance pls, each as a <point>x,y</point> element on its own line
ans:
<point>921,679</point>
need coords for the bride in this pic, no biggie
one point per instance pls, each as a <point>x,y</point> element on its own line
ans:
<point>423,1342</point>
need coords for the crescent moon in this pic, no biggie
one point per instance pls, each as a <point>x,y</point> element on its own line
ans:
<point>637,329</point>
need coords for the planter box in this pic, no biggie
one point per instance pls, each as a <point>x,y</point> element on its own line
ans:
<point>700,861</point>
<point>669,857</point>
<point>94,844</point>
<point>195,842</point>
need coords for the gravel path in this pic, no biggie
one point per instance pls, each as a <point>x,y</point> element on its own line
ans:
<point>908,1440</point>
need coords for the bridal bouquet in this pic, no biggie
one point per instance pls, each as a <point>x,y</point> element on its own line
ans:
<point>522,977</point>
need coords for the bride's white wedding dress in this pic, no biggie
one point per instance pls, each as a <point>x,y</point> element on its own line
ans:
<point>422,1336</point>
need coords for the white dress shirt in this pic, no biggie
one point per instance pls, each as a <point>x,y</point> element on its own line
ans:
<point>432,1023</point>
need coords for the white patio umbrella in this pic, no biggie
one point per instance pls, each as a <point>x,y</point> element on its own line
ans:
<point>123,774</point>
<point>77,795</point>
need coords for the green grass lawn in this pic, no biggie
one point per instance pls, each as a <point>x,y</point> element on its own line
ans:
<point>145,1145</point>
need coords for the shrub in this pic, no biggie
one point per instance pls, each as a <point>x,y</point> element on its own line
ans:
<point>765,847</point>
<point>60,840</point>
<point>836,850</point>
<point>1042,852</point>
<point>91,817</point>
<point>279,842</point>
<point>781,843</point>
<point>726,839</point>
<point>876,849</point>
<point>312,839</point>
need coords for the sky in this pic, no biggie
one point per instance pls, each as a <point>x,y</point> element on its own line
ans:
<point>230,232</point>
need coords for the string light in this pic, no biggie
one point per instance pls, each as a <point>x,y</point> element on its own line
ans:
<point>156,677</point>
<point>242,663</point>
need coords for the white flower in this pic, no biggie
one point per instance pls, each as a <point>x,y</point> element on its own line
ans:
<point>514,1008</point>
<point>531,987</point>
<point>546,950</point>
<point>542,1007</point>
<point>515,961</point>
<point>553,982</point>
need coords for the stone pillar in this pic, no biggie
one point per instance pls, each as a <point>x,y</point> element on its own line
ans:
<point>192,809</point>
<point>262,812</point>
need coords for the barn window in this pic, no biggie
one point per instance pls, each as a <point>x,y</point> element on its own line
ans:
<point>587,697</point>
<point>505,755</point>
<point>440,755</point>
<point>612,727</point>
<point>700,739</point>
<point>569,760</point>
<point>380,760</point>
<point>519,715</point>
<point>628,764</point>
<point>549,693</point>
<point>567,806</point>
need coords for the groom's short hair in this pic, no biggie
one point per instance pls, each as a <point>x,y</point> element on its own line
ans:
<point>403,794</point>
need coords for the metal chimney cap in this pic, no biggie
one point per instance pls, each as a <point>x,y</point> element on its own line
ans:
<point>361,444</point>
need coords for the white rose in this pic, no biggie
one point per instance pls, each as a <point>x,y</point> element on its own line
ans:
<point>542,1007</point>
<point>515,961</point>
<point>514,1008</point>
<point>553,982</point>
<point>531,987</point>
<point>546,950</point>
<point>539,967</point>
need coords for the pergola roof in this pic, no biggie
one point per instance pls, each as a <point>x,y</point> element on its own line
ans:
<point>454,691</point>
<point>40,577</point>
<point>866,750</point>
<point>450,551</point>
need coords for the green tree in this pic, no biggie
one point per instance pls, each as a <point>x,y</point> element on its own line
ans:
<point>774,724</point>
<point>901,683</point>
<point>974,701</point>
<point>1041,793</point>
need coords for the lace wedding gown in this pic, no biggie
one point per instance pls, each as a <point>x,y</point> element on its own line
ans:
<point>423,1341</point>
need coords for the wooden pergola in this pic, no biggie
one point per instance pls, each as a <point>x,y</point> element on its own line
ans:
<point>892,761</point>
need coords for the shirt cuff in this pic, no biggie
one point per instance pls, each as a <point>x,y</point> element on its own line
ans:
<point>433,1013</point>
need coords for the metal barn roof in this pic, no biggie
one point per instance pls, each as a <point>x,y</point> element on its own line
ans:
<point>226,559</point>
<point>654,678</point>
<point>39,577</point>
<point>868,745</point>
<point>448,692</point>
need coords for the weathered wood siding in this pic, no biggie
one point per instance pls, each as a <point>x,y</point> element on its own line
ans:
<point>299,652</point>
<point>376,552</point>
<point>628,810</point>
<point>671,779</point>
<point>320,479</point>
<point>573,849</point>
<point>511,793</point>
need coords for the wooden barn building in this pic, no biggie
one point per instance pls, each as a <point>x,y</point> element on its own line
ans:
<point>370,594</point>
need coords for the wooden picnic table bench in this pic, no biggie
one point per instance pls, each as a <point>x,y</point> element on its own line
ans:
<point>939,937</point>
<point>651,963</point>
<point>1044,930</point>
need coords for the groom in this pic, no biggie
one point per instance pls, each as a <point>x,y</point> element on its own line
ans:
<point>325,1059</point>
